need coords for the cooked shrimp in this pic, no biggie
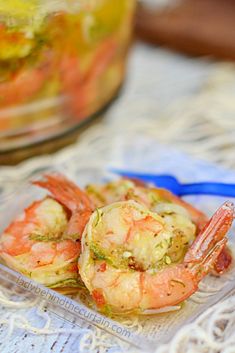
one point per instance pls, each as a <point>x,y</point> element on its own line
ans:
<point>133,189</point>
<point>126,262</point>
<point>44,243</point>
<point>162,201</point>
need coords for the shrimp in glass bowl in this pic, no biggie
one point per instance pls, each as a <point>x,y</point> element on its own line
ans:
<point>174,209</point>
<point>126,261</point>
<point>44,242</point>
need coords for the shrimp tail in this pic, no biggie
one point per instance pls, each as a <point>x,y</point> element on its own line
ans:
<point>207,247</point>
<point>65,192</point>
<point>223,261</point>
<point>77,222</point>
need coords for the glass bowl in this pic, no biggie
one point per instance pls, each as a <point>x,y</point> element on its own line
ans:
<point>61,62</point>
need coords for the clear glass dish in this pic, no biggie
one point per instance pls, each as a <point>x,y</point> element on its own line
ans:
<point>146,331</point>
<point>61,62</point>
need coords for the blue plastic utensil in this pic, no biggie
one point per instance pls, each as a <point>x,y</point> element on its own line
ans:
<point>171,183</point>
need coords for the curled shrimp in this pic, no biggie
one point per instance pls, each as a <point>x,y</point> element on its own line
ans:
<point>44,243</point>
<point>125,261</point>
<point>159,200</point>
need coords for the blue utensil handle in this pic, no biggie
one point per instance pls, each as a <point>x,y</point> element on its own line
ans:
<point>208,188</point>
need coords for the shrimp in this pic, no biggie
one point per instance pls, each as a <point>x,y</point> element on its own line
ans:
<point>44,243</point>
<point>159,200</point>
<point>133,189</point>
<point>125,261</point>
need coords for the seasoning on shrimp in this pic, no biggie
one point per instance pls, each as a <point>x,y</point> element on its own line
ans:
<point>133,247</point>
<point>44,243</point>
<point>162,201</point>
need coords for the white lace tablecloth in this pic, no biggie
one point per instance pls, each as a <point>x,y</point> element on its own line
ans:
<point>177,101</point>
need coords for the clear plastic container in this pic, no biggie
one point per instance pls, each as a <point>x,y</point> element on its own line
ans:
<point>61,62</point>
